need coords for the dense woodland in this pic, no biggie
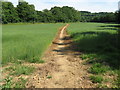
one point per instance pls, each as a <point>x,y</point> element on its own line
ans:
<point>24,12</point>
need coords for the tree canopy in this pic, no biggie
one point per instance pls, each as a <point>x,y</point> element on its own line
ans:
<point>9,13</point>
<point>25,12</point>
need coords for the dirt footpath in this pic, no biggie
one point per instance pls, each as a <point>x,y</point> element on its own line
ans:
<point>63,67</point>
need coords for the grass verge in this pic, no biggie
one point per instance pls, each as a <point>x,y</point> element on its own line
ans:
<point>10,84</point>
<point>20,69</point>
<point>96,79</point>
<point>98,68</point>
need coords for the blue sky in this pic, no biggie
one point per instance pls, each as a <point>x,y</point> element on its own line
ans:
<point>81,5</point>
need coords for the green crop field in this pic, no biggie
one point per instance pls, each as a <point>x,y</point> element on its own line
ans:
<point>96,38</point>
<point>99,44</point>
<point>83,27</point>
<point>85,49</point>
<point>26,41</point>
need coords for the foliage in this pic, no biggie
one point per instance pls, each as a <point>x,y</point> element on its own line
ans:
<point>97,17</point>
<point>41,61</point>
<point>36,60</point>
<point>25,12</point>
<point>101,86</point>
<point>117,14</point>
<point>8,83</point>
<point>118,80</point>
<point>9,13</point>
<point>96,79</point>
<point>21,83</point>
<point>98,68</point>
<point>49,77</point>
<point>20,69</point>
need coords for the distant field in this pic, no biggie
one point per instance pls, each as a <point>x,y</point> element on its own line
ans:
<point>99,27</point>
<point>26,41</point>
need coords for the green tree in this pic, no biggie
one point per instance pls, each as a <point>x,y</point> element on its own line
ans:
<point>65,14</point>
<point>26,12</point>
<point>39,17</point>
<point>57,14</point>
<point>9,13</point>
<point>118,16</point>
<point>47,16</point>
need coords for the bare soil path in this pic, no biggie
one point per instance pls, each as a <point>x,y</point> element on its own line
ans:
<point>63,67</point>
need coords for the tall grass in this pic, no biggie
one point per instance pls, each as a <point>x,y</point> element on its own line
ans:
<point>26,42</point>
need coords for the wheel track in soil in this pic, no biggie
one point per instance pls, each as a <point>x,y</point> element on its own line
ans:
<point>63,65</point>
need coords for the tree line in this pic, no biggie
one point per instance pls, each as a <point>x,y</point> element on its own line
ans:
<point>98,17</point>
<point>25,12</point>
